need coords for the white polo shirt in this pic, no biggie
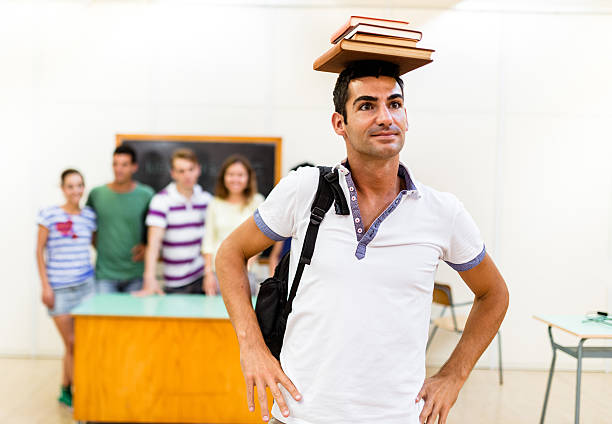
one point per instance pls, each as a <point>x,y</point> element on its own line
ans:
<point>183,220</point>
<point>355,340</point>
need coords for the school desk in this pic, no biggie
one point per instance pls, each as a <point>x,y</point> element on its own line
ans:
<point>575,325</point>
<point>162,359</point>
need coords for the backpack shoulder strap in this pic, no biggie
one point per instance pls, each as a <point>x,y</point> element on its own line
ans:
<point>328,192</point>
<point>333,179</point>
<point>322,202</point>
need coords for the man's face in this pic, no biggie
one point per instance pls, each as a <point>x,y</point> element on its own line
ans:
<point>376,118</point>
<point>185,173</point>
<point>123,168</point>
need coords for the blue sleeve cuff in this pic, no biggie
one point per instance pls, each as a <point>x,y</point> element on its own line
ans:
<point>265,229</point>
<point>469,265</point>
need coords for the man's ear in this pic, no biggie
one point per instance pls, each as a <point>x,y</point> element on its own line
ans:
<point>338,124</point>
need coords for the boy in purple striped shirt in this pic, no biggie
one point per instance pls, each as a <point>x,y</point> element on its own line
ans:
<point>175,224</point>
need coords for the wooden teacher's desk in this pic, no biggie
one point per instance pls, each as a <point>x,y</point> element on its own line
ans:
<point>157,359</point>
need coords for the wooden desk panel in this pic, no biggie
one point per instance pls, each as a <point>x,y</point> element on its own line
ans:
<point>158,369</point>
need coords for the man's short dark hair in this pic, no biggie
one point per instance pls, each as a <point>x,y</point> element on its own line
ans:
<point>360,69</point>
<point>125,150</point>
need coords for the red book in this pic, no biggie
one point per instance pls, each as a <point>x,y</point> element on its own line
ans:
<point>356,20</point>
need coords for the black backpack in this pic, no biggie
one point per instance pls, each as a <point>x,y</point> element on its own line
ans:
<point>273,305</point>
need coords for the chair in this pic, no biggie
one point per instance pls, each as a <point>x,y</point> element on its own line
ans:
<point>442,295</point>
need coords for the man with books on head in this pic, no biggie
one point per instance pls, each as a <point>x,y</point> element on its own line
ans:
<point>354,346</point>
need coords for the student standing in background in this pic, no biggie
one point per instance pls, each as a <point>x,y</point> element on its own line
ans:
<point>236,199</point>
<point>121,207</point>
<point>67,275</point>
<point>175,224</point>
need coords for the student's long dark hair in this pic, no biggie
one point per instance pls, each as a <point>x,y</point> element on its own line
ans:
<point>221,190</point>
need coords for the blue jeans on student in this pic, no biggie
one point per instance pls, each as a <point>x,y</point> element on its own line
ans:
<point>118,286</point>
<point>68,298</point>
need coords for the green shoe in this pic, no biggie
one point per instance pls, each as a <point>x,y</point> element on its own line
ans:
<point>65,396</point>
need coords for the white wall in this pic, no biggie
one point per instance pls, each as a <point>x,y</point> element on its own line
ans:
<point>511,116</point>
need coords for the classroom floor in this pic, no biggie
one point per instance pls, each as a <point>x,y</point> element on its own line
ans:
<point>30,387</point>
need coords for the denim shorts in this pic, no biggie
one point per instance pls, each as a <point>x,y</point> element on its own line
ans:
<point>68,298</point>
<point>118,286</point>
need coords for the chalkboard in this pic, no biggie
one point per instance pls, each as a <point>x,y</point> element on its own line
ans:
<point>154,153</point>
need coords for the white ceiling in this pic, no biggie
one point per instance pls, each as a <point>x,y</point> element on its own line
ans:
<point>511,6</point>
<point>547,6</point>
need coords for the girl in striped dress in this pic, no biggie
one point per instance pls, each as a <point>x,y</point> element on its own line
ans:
<point>66,273</point>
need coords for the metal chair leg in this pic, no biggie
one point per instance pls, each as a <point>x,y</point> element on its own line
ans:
<point>578,378</point>
<point>550,375</point>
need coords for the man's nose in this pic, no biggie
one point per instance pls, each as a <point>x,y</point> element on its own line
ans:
<point>384,117</point>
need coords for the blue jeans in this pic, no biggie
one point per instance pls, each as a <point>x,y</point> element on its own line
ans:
<point>118,286</point>
<point>68,298</point>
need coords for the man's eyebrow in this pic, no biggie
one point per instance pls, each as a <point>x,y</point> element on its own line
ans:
<point>395,96</point>
<point>365,98</point>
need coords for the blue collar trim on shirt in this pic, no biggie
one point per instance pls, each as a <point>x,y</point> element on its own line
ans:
<point>365,237</point>
<point>403,171</point>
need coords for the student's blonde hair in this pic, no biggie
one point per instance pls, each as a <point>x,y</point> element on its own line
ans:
<point>183,153</point>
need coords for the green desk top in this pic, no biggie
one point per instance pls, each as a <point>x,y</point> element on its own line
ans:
<point>574,324</point>
<point>169,306</point>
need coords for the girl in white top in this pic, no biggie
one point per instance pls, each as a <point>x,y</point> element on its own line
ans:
<point>236,199</point>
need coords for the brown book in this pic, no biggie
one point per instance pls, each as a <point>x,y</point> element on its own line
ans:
<point>383,39</point>
<point>353,21</point>
<point>346,51</point>
<point>380,30</point>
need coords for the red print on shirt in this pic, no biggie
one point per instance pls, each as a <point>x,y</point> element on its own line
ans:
<point>66,229</point>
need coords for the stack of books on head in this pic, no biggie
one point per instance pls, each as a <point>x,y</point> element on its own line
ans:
<point>363,38</point>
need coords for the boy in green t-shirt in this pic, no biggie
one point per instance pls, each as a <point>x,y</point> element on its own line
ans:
<point>121,207</point>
